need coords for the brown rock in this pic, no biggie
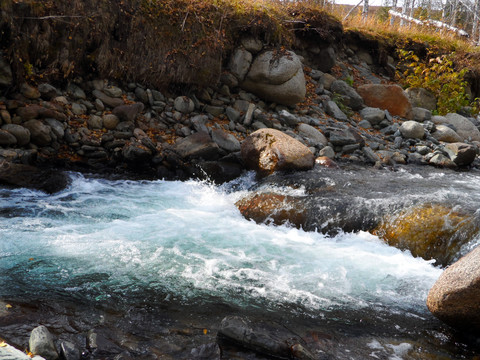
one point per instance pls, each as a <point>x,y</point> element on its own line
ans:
<point>430,231</point>
<point>269,150</point>
<point>460,153</point>
<point>276,208</point>
<point>7,139</point>
<point>128,112</point>
<point>386,97</point>
<point>454,297</point>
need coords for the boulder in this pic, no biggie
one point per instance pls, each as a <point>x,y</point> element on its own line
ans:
<point>313,136</point>
<point>136,153</point>
<point>252,44</point>
<point>220,171</point>
<point>273,208</point>
<point>95,122</point>
<point>39,132</point>
<point>412,130</point>
<point>47,91</point>
<point>441,160</point>
<point>6,138</point>
<point>334,111</point>
<point>387,97</point>
<point>420,114</point>
<point>454,296</point>
<point>29,91</point>
<point>420,97</point>
<point>373,115</point>
<point>198,145</point>
<point>128,112</point>
<point>225,140</point>
<point>460,153</point>
<point>183,104</point>
<point>430,231</point>
<point>325,60</point>
<point>446,134</point>
<point>277,76</point>
<point>21,133</point>
<point>269,150</point>
<point>350,96</point>
<point>34,111</point>
<point>41,343</point>
<point>464,127</point>
<point>110,121</point>
<point>240,63</point>
<point>108,100</point>
<point>112,91</point>
<point>57,127</point>
<point>19,175</point>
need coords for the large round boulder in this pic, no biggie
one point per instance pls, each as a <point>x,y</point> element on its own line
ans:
<point>430,231</point>
<point>39,132</point>
<point>277,76</point>
<point>420,97</point>
<point>386,97</point>
<point>269,150</point>
<point>464,127</point>
<point>454,297</point>
<point>412,130</point>
<point>21,133</point>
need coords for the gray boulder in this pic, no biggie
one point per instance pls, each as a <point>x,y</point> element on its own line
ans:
<point>184,104</point>
<point>21,133</point>
<point>252,44</point>
<point>420,97</point>
<point>454,297</point>
<point>461,154</point>
<point>107,100</point>
<point>313,136</point>
<point>373,115</point>
<point>325,59</point>
<point>412,130</point>
<point>420,114</point>
<point>446,134</point>
<point>351,97</point>
<point>41,343</point>
<point>333,110</point>
<point>464,127</point>
<point>198,145</point>
<point>56,126</point>
<point>240,63</point>
<point>112,91</point>
<point>95,122</point>
<point>278,77</point>
<point>225,140</point>
<point>47,91</point>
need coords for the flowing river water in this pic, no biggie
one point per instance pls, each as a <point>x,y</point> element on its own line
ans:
<point>155,266</point>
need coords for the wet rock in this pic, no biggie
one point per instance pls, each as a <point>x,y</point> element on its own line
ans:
<point>240,63</point>
<point>5,117</point>
<point>262,338</point>
<point>39,132</point>
<point>76,92</point>
<point>327,151</point>
<point>412,130</point>
<point>446,134</point>
<point>220,171</point>
<point>464,127</point>
<point>276,208</point>
<point>100,345</point>
<point>6,138</point>
<point>454,296</point>
<point>108,100</point>
<point>313,136</point>
<point>276,76</point>
<point>22,134</point>
<point>225,140</point>
<point>461,154</point>
<point>19,175</point>
<point>198,145</point>
<point>420,97</point>
<point>269,150</point>
<point>430,231</point>
<point>69,351</point>
<point>373,115</point>
<point>41,343</point>
<point>350,96</point>
<point>184,104</point>
<point>387,97</point>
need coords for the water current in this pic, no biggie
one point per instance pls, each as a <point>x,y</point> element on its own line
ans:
<point>184,248</point>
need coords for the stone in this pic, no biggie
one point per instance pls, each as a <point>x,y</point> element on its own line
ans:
<point>446,134</point>
<point>333,110</point>
<point>252,44</point>
<point>326,162</point>
<point>327,151</point>
<point>39,132</point>
<point>198,145</point>
<point>5,116</point>
<point>8,352</point>
<point>454,296</point>
<point>56,126</point>
<point>79,109</point>
<point>288,118</point>
<point>439,120</point>
<point>269,150</point>
<point>141,95</point>
<point>412,130</point>
<point>240,63</point>
<point>29,91</point>
<point>6,77</point>
<point>6,138</point>
<point>107,100</point>
<point>264,338</point>
<point>464,127</point>
<point>460,153</point>
<point>69,351</point>
<point>327,80</point>
<point>370,155</point>
<point>95,122</point>
<point>350,96</point>
<point>128,112</point>
<point>214,110</point>
<point>225,140</point>
<point>21,134</point>
<point>365,124</point>
<point>136,153</point>
<point>420,97</point>
<point>342,138</point>
<point>365,57</point>
<point>113,91</point>
<point>386,97</point>
<point>110,121</point>
<point>41,343</point>
<point>326,59</point>
<point>221,171</point>
<point>420,114</point>
<point>442,161</point>
<point>199,123</point>
<point>232,114</point>
<point>276,76</point>
<point>184,104</point>
<point>430,231</point>
<point>47,91</point>
<point>313,135</point>
<point>76,92</point>
<point>373,115</point>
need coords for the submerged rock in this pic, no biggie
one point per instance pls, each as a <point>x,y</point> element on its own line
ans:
<point>430,231</point>
<point>269,150</point>
<point>454,297</point>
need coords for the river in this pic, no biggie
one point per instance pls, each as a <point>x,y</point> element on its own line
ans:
<point>156,265</point>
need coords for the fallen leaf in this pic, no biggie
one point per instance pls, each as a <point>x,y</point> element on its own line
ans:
<point>205,331</point>
<point>3,344</point>
<point>8,306</point>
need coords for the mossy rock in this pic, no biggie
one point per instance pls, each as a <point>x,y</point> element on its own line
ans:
<point>273,208</point>
<point>430,231</point>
